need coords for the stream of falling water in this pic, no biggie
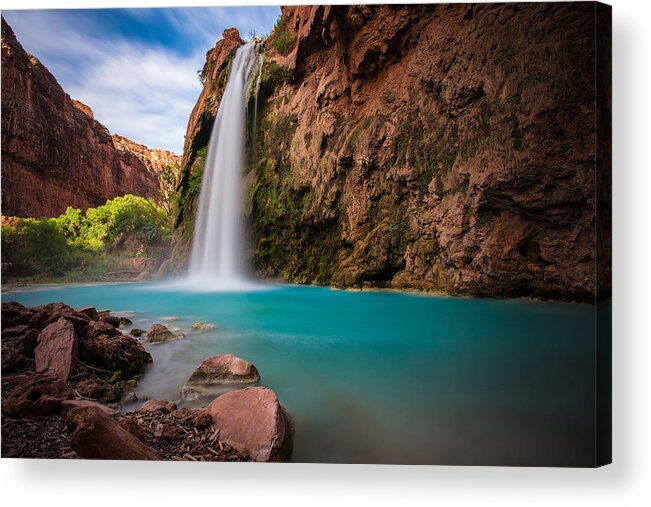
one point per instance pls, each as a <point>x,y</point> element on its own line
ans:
<point>217,260</point>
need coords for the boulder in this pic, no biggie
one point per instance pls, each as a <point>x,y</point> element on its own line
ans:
<point>105,316</point>
<point>125,321</point>
<point>90,312</point>
<point>137,332</point>
<point>219,370</point>
<point>94,435</point>
<point>47,314</point>
<point>112,351</point>
<point>202,326</point>
<point>163,406</point>
<point>56,350</point>
<point>158,333</point>
<point>224,369</point>
<point>253,422</point>
<point>35,396</point>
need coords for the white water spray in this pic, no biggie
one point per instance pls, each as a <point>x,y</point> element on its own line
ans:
<point>218,248</point>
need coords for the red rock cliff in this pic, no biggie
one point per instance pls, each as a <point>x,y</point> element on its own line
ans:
<point>441,147</point>
<point>54,153</point>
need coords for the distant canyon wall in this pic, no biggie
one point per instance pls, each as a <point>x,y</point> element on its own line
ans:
<point>54,153</point>
<point>441,147</point>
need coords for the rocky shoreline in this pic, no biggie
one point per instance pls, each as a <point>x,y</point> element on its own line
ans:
<point>65,373</point>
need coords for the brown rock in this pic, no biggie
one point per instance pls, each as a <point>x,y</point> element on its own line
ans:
<point>98,389</point>
<point>12,360</point>
<point>35,396</point>
<point>68,405</point>
<point>158,406</point>
<point>198,418</point>
<point>57,349</point>
<point>224,369</point>
<point>90,312</point>
<point>416,130</point>
<point>107,348</point>
<point>158,333</point>
<point>39,177</point>
<point>47,314</point>
<point>12,332</point>
<point>15,314</point>
<point>27,343</point>
<point>253,422</point>
<point>94,435</point>
<point>107,318</point>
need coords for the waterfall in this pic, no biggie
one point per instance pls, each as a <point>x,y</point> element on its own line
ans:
<point>218,255</point>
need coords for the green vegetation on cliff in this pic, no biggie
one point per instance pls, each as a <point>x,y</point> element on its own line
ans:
<point>282,38</point>
<point>80,246</point>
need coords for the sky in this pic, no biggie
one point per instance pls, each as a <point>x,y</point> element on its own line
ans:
<point>135,68</point>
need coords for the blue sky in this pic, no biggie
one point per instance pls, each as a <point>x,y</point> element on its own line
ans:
<point>136,68</point>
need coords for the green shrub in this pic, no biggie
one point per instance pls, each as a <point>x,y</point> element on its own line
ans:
<point>78,242</point>
<point>282,38</point>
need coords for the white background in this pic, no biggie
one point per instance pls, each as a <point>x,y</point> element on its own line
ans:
<point>626,482</point>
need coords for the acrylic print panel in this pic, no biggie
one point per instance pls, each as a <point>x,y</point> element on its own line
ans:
<point>342,234</point>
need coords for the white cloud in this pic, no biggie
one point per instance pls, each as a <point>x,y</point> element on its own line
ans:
<point>144,91</point>
<point>145,95</point>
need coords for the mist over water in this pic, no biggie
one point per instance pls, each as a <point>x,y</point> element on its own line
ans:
<point>217,260</point>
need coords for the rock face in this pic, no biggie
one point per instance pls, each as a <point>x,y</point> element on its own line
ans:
<point>436,147</point>
<point>54,153</point>
<point>253,422</point>
<point>57,349</point>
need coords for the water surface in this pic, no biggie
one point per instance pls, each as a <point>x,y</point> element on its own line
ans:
<point>384,377</point>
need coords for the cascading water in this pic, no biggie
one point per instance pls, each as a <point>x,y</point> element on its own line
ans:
<point>217,261</point>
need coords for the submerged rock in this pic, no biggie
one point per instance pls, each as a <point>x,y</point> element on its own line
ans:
<point>158,333</point>
<point>202,326</point>
<point>222,369</point>
<point>253,422</point>
<point>137,332</point>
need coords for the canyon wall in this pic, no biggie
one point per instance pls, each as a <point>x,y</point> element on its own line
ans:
<point>447,148</point>
<point>54,153</point>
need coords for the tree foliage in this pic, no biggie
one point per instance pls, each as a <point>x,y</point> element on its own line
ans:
<point>124,226</point>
